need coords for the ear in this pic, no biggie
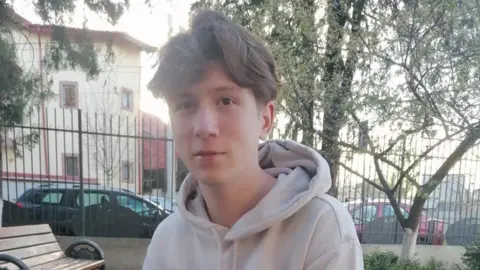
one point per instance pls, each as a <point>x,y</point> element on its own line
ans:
<point>267,115</point>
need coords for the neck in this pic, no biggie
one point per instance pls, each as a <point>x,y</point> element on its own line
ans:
<point>227,203</point>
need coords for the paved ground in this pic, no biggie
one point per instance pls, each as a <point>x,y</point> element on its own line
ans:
<point>127,253</point>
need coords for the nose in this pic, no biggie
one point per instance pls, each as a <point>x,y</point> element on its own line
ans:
<point>205,123</point>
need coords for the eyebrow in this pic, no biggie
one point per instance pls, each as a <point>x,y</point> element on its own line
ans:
<point>224,88</point>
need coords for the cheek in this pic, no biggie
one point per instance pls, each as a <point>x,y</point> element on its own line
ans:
<point>242,126</point>
<point>181,137</point>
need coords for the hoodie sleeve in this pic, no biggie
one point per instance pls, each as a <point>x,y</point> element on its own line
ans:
<point>346,255</point>
<point>334,244</point>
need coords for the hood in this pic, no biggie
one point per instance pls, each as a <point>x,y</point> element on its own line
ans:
<point>301,175</point>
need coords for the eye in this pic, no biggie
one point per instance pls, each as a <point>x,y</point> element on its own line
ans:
<point>184,105</point>
<point>226,101</point>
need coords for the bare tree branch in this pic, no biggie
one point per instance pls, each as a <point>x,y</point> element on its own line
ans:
<point>347,168</point>
<point>472,137</point>
<point>403,136</point>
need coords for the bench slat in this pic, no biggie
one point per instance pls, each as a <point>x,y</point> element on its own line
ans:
<point>57,264</point>
<point>27,252</point>
<point>69,264</point>
<point>86,265</point>
<point>76,264</point>
<point>20,242</point>
<point>10,232</point>
<point>34,261</point>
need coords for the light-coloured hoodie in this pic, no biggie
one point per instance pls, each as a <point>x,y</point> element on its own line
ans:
<point>295,226</point>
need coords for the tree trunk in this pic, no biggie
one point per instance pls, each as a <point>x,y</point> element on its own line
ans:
<point>338,92</point>
<point>332,154</point>
<point>1,183</point>
<point>409,241</point>
<point>333,65</point>
<point>411,226</point>
<point>308,42</point>
<point>408,244</point>
<point>308,134</point>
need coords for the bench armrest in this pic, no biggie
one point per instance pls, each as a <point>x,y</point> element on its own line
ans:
<point>14,260</point>
<point>85,249</point>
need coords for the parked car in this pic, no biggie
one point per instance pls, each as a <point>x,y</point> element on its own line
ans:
<point>109,211</point>
<point>168,204</point>
<point>451,212</point>
<point>376,221</point>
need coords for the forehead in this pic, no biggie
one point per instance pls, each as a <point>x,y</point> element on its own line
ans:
<point>214,81</point>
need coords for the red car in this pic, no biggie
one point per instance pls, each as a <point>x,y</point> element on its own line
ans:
<point>381,218</point>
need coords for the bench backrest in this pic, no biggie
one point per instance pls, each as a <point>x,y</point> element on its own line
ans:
<point>33,244</point>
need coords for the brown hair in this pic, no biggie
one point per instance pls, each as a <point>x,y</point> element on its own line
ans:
<point>214,38</point>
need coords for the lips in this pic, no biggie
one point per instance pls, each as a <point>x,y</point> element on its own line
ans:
<point>207,153</point>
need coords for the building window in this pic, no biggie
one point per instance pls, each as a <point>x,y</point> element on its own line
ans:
<point>70,163</point>
<point>127,172</point>
<point>127,99</point>
<point>69,95</point>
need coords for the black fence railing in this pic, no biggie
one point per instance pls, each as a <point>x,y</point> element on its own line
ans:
<point>451,214</point>
<point>88,174</point>
<point>95,174</point>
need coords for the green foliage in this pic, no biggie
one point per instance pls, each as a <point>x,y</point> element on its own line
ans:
<point>18,89</point>
<point>22,90</point>
<point>72,51</point>
<point>388,260</point>
<point>380,260</point>
<point>57,10</point>
<point>435,265</point>
<point>471,257</point>
<point>62,53</point>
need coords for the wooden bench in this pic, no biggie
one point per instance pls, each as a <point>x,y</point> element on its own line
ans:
<point>35,247</point>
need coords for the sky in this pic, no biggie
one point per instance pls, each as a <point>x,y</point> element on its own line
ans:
<point>149,25</point>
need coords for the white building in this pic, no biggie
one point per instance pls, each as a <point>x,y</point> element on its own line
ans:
<point>96,109</point>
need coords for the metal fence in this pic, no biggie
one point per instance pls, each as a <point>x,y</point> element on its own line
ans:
<point>94,174</point>
<point>88,174</point>
<point>451,214</point>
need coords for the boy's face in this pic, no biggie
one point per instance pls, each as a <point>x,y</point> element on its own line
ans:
<point>217,126</point>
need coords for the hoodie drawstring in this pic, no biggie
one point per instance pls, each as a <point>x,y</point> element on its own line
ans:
<point>234,255</point>
<point>219,246</point>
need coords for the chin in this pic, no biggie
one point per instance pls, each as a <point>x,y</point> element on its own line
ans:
<point>211,177</point>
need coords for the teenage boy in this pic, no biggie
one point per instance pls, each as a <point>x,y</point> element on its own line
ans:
<point>244,205</point>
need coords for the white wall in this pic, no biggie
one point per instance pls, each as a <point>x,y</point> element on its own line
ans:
<point>100,102</point>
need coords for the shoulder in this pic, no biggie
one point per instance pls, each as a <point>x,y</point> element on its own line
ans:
<point>333,217</point>
<point>334,240</point>
<point>164,237</point>
<point>167,228</point>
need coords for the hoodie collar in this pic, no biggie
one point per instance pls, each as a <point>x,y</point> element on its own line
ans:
<point>301,174</point>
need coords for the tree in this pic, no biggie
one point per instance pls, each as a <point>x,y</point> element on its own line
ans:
<point>109,152</point>
<point>432,52</point>
<point>410,69</point>
<point>21,91</point>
